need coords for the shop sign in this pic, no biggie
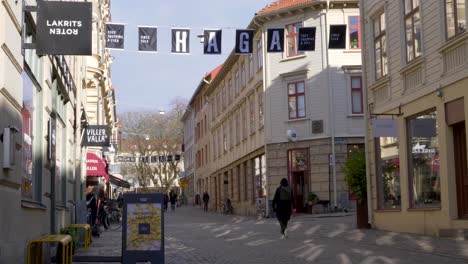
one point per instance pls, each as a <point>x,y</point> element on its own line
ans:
<point>385,127</point>
<point>97,136</point>
<point>64,28</point>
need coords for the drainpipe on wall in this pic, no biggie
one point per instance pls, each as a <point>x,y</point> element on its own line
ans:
<point>331,109</point>
<point>366,111</point>
<point>264,68</point>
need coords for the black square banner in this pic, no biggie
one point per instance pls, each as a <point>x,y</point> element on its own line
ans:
<point>180,40</point>
<point>244,41</point>
<point>115,36</point>
<point>306,39</point>
<point>212,42</point>
<point>147,39</point>
<point>64,28</point>
<point>337,37</point>
<point>275,40</point>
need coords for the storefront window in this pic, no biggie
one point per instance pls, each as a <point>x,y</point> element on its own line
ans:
<point>260,176</point>
<point>27,113</point>
<point>424,160</point>
<point>388,173</point>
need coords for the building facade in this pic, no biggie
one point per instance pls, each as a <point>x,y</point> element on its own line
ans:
<point>44,104</point>
<point>313,100</point>
<point>415,62</point>
<point>189,154</point>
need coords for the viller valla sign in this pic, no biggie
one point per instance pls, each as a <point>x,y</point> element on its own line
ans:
<point>64,28</point>
<point>97,136</point>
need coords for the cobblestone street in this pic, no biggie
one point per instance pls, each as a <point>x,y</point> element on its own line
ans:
<point>193,236</point>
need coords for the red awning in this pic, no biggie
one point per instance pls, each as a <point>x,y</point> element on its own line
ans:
<point>96,166</point>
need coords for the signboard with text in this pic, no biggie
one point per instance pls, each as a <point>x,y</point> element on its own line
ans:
<point>143,228</point>
<point>64,28</point>
<point>97,136</point>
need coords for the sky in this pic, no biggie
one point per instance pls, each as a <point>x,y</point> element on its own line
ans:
<point>150,81</point>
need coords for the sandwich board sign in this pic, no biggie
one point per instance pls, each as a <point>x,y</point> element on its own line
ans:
<point>143,228</point>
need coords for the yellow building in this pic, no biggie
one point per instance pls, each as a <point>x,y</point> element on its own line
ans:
<point>416,74</point>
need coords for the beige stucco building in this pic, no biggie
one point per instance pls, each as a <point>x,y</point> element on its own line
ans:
<point>418,78</point>
<point>37,94</point>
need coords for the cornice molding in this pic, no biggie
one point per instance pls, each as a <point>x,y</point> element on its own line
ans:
<point>11,99</point>
<point>12,15</point>
<point>12,58</point>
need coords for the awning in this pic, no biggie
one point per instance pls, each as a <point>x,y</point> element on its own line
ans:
<point>96,166</point>
<point>119,181</point>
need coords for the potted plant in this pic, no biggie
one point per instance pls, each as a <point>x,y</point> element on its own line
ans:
<point>312,198</point>
<point>355,176</point>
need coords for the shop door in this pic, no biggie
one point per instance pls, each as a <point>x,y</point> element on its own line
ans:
<point>459,143</point>
<point>298,186</point>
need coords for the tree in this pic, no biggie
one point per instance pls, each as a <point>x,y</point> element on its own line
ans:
<point>150,135</point>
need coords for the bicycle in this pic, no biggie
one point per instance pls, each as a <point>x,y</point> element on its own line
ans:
<point>114,216</point>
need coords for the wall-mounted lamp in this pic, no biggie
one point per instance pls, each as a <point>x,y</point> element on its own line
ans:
<point>439,92</point>
<point>9,140</point>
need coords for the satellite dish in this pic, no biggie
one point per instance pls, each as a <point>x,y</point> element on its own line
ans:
<point>291,134</point>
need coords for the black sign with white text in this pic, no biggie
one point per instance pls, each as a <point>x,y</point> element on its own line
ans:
<point>212,42</point>
<point>98,136</point>
<point>115,36</point>
<point>337,37</point>
<point>306,39</point>
<point>244,41</point>
<point>147,39</point>
<point>275,40</point>
<point>64,28</point>
<point>180,40</point>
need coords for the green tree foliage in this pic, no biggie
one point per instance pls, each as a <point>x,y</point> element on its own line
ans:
<point>355,174</point>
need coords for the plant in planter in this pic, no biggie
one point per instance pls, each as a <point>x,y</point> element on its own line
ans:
<point>312,198</point>
<point>74,234</point>
<point>355,176</point>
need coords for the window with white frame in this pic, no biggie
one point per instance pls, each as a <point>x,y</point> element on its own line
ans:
<point>231,92</point>
<point>238,129</point>
<point>296,100</point>
<point>380,45</point>
<point>236,82</point>
<point>260,109</point>
<point>251,67</point>
<point>292,37</point>
<point>252,114</point>
<point>356,95</point>
<point>412,29</point>
<point>243,78</point>
<point>455,14</point>
<point>259,54</point>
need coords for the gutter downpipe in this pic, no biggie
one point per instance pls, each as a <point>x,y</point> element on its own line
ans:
<point>264,68</point>
<point>366,112</point>
<point>332,112</point>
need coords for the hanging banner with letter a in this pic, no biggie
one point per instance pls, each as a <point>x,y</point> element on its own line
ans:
<point>306,39</point>
<point>275,40</point>
<point>64,28</point>
<point>115,36</point>
<point>244,41</point>
<point>212,42</point>
<point>147,39</point>
<point>180,41</point>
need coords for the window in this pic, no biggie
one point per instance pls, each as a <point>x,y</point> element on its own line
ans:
<point>296,100</point>
<point>354,32</point>
<point>231,132</point>
<point>238,183</point>
<point>260,109</point>
<point>231,92</point>
<point>215,146</point>
<point>413,30</point>
<point>455,12</point>
<point>223,95</point>
<point>259,54</point>
<point>388,173</point>
<point>236,82</point>
<point>238,129</point>
<point>252,114</point>
<point>380,45</point>
<point>231,182</point>
<point>260,176</point>
<point>27,113</point>
<point>292,36</point>
<point>423,153</point>
<point>244,122</point>
<point>243,78</point>
<point>225,138</point>
<point>356,95</point>
<point>251,67</point>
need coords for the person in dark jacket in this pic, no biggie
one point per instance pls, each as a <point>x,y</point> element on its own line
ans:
<point>166,201</point>
<point>173,199</point>
<point>206,199</point>
<point>283,204</point>
<point>91,204</point>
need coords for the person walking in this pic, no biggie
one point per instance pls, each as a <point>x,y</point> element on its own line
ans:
<point>166,201</point>
<point>206,199</point>
<point>173,199</point>
<point>283,205</point>
<point>91,204</point>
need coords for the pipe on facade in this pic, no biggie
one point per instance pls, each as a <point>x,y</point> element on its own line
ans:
<point>366,110</point>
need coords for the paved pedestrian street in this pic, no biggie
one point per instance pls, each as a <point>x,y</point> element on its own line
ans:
<point>193,236</point>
